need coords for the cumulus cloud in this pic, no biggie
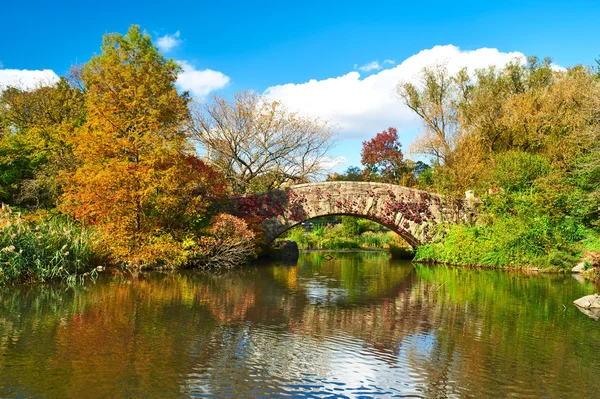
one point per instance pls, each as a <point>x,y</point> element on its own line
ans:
<point>167,42</point>
<point>200,82</point>
<point>26,79</point>
<point>361,107</point>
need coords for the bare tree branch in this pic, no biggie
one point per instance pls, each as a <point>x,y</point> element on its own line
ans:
<point>258,143</point>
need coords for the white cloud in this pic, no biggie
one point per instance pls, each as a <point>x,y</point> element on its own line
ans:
<point>200,82</point>
<point>328,163</point>
<point>373,65</point>
<point>27,79</point>
<point>167,42</point>
<point>391,62</point>
<point>363,107</point>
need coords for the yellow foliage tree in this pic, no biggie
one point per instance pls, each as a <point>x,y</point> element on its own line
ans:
<point>137,180</point>
<point>469,118</point>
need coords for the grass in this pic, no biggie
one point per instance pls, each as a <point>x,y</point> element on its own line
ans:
<point>592,242</point>
<point>371,239</point>
<point>46,250</point>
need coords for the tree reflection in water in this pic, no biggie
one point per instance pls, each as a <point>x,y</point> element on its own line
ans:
<point>352,325</point>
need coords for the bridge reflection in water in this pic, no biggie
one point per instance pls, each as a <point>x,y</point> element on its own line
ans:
<point>353,325</point>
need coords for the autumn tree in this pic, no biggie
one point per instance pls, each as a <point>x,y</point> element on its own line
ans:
<point>258,143</point>
<point>531,108</point>
<point>137,179</point>
<point>434,99</point>
<point>36,140</point>
<point>475,122</point>
<point>469,116</point>
<point>523,106</point>
<point>382,155</point>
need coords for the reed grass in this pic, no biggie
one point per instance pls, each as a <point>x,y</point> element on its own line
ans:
<point>45,250</point>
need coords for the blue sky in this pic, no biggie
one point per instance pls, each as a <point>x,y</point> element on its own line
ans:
<point>261,45</point>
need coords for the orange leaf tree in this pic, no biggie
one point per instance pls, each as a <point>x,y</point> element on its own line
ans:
<point>137,179</point>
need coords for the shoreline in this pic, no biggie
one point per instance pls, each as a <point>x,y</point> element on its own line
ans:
<point>511,269</point>
<point>346,250</point>
<point>526,269</point>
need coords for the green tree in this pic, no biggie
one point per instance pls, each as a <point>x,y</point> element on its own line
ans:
<point>350,226</point>
<point>36,140</point>
<point>353,173</point>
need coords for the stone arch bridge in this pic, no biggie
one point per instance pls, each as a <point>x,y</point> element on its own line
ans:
<point>411,213</point>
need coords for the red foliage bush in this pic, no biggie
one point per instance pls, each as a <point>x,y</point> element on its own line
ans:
<point>228,243</point>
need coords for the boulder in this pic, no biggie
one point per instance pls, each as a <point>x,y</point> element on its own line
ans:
<point>579,268</point>
<point>588,302</point>
<point>591,313</point>
<point>592,259</point>
<point>285,251</point>
<point>289,252</point>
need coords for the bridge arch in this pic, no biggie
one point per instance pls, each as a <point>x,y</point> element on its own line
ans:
<point>411,213</point>
<point>277,231</point>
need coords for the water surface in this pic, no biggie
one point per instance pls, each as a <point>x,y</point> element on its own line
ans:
<point>342,325</point>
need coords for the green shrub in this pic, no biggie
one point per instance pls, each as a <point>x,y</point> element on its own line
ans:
<point>375,240</point>
<point>334,243</point>
<point>350,228</point>
<point>298,235</point>
<point>318,230</point>
<point>516,170</point>
<point>429,252</point>
<point>365,225</point>
<point>509,241</point>
<point>592,242</point>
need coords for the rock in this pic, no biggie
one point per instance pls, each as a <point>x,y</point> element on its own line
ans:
<point>289,252</point>
<point>588,302</point>
<point>579,268</point>
<point>591,258</point>
<point>591,313</point>
<point>285,251</point>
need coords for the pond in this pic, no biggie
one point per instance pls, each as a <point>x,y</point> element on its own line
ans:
<point>338,325</point>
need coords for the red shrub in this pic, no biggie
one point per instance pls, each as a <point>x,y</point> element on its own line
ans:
<point>228,243</point>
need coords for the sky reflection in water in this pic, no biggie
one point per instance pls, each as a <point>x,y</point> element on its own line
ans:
<point>358,325</point>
